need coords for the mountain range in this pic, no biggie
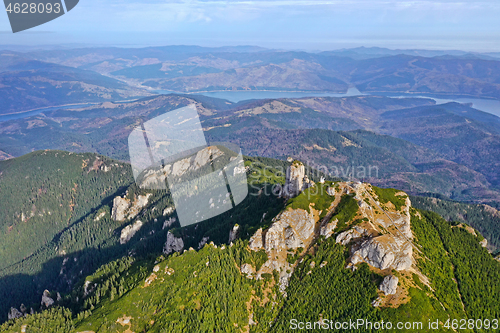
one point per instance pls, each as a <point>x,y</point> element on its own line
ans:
<point>367,207</point>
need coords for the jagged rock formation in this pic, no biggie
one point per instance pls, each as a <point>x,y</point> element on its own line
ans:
<point>328,229</point>
<point>381,236</point>
<point>384,252</point>
<point>202,243</point>
<point>291,229</point>
<point>390,285</point>
<point>233,233</point>
<point>256,242</point>
<point>296,180</point>
<point>168,211</point>
<point>385,240</point>
<point>155,178</point>
<point>14,313</point>
<point>346,237</point>
<point>46,300</point>
<point>173,244</point>
<point>125,209</point>
<point>129,231</point>
<point>168,223</point>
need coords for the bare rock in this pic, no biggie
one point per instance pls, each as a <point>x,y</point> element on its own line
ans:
<point>14,313</point>
<point>129,231</point>
<point>168,223</point>
<point>202,243</point>
<point>233,233</point>
<point>390,285</point>
<point>248,270</point>
<point>385,252</point>
<point>294,179</point>
<point>484,243</point>
<point>346,237</point>
<point>256,242</point>
<point>46,300</point>
<point>120,207</point>
<point>168,211</point>
<point>330,191</point>
<point>376,303</point>
<point>173,244</point>
<point>328,229</point>
<point>291,230</point>
<point>125,209</point>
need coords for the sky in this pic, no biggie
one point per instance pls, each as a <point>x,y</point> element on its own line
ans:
<point>297,24</point>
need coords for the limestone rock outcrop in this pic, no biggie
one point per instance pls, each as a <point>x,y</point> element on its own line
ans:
<point>173,244</point>
<point>346,237</point>
<point>14,313</point>
<point>248,270</point>
<point>290,230</point>
<point>385,252</point>
<point>155,178</point>
<point>484,243</point>
<point>389,285</point>
<point>129,231</point>
<point>328,229</point>
<point>124,208</point>
<point>46,300</point>
<point>256,242</point>
<point>233,233</point>
<point>168,223</point>
<point>296,180</point>
<point>202,243</point>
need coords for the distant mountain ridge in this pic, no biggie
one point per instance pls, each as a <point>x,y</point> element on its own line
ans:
<point>193,68</point>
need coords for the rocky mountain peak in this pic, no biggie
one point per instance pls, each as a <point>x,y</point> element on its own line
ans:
<point>378,232</point>
<point>296,180</point>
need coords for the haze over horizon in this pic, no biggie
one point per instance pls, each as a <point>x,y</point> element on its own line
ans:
<point>306,25</point>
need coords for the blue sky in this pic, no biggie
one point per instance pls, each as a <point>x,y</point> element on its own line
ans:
<point>297,24</point>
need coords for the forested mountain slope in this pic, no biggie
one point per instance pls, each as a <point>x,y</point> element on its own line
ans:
<point>339,134</point>
<point>337,251</point>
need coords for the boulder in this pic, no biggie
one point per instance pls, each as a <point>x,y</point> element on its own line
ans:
<point>385,252</point>
<point>484,243</point>
<point>390,285</point>
<point>248,270</point>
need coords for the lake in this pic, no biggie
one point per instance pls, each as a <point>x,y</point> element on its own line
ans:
<point>236,96</point>
<point>487,105</point>
<point>30,113</point>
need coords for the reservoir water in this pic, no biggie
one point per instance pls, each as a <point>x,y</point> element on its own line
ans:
<point>487,105</point>
<point>30,113</point>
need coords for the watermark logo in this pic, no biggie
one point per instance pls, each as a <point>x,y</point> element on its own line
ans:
<point>28,14</point>
<point>170,152</point>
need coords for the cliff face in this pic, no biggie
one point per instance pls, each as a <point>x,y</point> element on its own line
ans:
<point>173,244</point>
<point>124,208</point>
<point>296,180</point>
